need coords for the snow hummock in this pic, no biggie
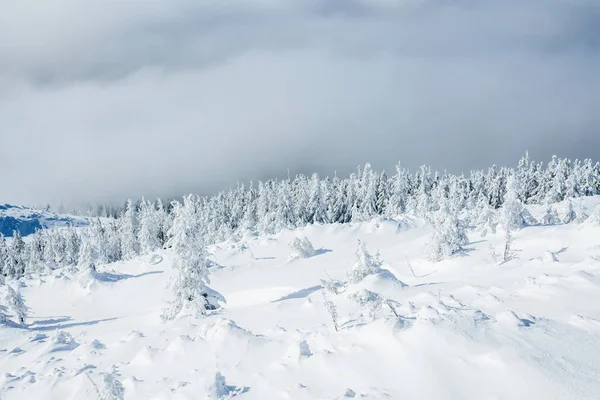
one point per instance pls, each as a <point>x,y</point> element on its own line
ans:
<point>409,328</point>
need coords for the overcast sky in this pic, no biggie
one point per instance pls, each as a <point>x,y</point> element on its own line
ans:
<point>103,100</point>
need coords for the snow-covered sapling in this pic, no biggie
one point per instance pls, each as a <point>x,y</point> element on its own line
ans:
<point>331,309</point>
<point>365,264</point>
<point>301,248</point>
<point>507,254</point>
<point>16,304</point>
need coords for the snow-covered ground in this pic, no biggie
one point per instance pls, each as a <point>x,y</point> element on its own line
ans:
<point>467,328</point>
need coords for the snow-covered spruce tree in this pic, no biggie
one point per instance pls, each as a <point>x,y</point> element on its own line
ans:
<point>365,264</point>
<point>15,303</point>
<point>550,216</point>
<point>570,214</point>
<point>512,213</point>
<point>284,209</point>
<point>580,212</point>
<point>87,252</point>
<point>189,285</point>
<point>449,233</point>
<point>301,248</point>
<point>485,217</point>
<point>72,246</point>
<point>149,227</point>
<point>128,232</point>
<point>15,262</point>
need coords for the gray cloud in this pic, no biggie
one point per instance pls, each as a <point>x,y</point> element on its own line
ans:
<point>104,100</point>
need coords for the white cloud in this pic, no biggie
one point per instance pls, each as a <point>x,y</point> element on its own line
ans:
<point>104,100</point>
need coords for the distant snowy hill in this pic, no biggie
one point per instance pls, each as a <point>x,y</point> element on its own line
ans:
<point>26,220</point>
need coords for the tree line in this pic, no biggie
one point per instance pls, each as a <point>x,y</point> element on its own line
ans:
<point>448,201</point>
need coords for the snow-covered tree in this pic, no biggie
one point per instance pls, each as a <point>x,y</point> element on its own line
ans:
<point>511,214</point>
<point>570,214</point>
<point>365,264</point>
<point>191,263</point>
<point>149,227</point>
<point>15,303</point>
<point>331,310</point>
<point>128,229</point>
<point>284,213</point>
<point>580,212</point>
<point>550,216</point>
<point>449,233</point>
<point>485,217</point>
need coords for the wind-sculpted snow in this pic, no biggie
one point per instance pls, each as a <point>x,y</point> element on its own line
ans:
<point>466,327</point>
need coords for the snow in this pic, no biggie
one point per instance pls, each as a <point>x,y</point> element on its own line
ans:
<point>467,327</point>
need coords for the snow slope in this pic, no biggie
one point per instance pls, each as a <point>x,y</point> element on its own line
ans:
<point>467,327</point>
<point>26,220</point>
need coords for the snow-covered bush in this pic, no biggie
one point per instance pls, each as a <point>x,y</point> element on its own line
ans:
<point>301,248</point>
<point>112,388</point>
<point>370,301</point>
<point>365,264</point>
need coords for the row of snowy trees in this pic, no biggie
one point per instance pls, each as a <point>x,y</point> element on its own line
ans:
<point>449,202</point>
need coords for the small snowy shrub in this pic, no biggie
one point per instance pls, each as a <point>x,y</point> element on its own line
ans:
<point>112,389</point>
<point>368,300</point>
<point>301,248</point>
<point>365,265</point>
<point>332,285</point>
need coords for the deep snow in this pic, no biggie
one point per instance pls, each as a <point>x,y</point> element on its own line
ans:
<point>468,328</point>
